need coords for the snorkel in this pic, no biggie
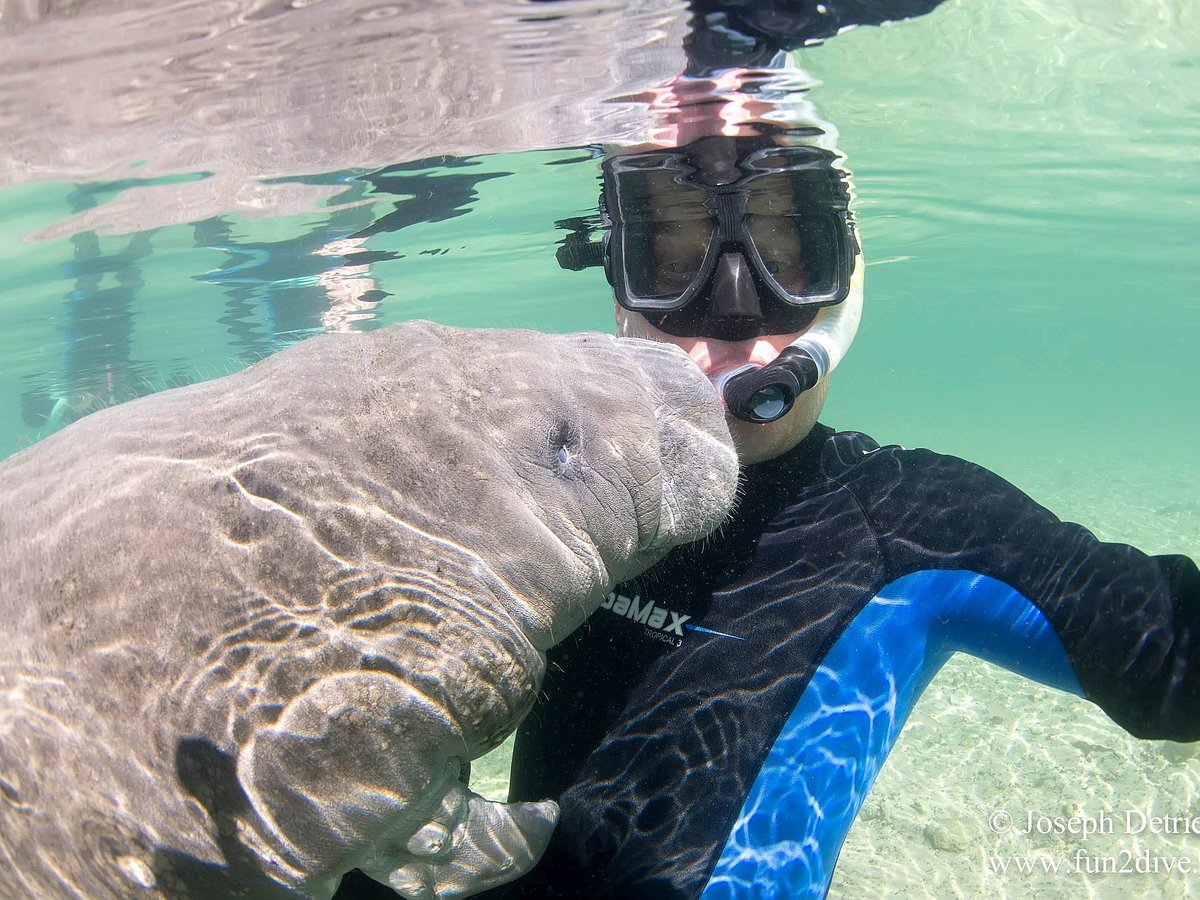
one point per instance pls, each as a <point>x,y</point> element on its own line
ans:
<point>763,394</point>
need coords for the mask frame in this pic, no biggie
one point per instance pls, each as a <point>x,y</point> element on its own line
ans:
<point>819,195</point>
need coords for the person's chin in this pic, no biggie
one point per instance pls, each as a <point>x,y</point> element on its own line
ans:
<point>757,443</point>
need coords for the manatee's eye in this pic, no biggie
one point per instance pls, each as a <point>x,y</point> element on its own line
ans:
<point>565,449</point>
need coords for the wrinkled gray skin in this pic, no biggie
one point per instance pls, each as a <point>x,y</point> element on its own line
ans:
<point>252,630</point>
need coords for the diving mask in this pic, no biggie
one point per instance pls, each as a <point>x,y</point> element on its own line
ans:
<point>728,247</point>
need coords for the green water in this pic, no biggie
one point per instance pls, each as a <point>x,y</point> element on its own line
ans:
<point>100,318</point>
<point>1035,176</point>
<point>1028,180</point>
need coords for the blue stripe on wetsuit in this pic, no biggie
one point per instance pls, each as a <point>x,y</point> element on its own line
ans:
<point>790,830</point>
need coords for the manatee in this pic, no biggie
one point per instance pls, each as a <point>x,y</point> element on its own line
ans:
<point>252,631</point>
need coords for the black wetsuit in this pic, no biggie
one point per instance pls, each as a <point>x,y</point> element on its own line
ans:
<point>693,726</point>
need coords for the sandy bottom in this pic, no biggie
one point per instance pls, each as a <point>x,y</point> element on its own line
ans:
<point>993,769</point>
<point>987,763</point>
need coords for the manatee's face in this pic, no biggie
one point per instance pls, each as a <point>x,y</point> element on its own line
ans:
<point>632,459</point>
<point>597,454</point>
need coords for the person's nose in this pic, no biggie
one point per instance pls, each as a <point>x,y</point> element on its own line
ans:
<point>733,293</point>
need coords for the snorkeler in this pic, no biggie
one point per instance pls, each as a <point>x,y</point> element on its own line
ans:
<point>715,727</point>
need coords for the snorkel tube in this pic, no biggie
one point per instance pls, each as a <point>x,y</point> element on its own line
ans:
<point>762,394</point>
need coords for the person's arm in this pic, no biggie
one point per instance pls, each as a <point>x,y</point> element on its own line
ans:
<point>974,566</point>
<point>871,581</point>
<point>1128,623</point>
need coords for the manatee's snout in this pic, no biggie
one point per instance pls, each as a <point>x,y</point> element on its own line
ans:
<point>699,462</point>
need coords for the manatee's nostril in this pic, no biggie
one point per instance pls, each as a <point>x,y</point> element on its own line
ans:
<point>565,447</point>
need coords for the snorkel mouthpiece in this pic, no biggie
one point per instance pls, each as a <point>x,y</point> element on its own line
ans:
<point>762,395</point>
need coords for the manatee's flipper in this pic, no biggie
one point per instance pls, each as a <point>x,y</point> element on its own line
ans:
<point>357,759</point>
<point>471,845</point>
<point>362,771</point>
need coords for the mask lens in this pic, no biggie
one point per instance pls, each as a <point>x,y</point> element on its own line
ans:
<point>792,222</point>
<point>780,245</point>
<point>663,258</point>
<point>665,234</point>
<point>785,213</point>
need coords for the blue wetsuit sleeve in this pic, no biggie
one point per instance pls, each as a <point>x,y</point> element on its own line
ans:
<point>821,766</point>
